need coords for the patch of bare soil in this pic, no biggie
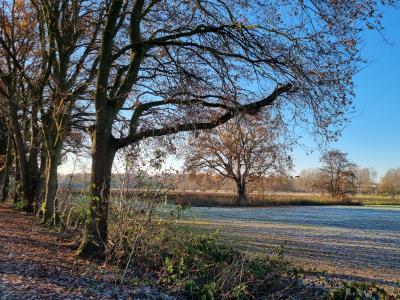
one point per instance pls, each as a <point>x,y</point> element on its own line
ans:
<point>38,264</point>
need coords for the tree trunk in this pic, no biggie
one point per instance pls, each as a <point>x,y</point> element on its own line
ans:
<point>94,239</point>
<point>49,207</point>
<point>54,130</point>
<point>41,179</point>
<point>242,199</point>
<point>26,203</point>
<point>33,166</point>
<point>7,168</point>
<point>4,133</point>
<point>53,144</point>
<point>32,182</point>
<point>16,193</point>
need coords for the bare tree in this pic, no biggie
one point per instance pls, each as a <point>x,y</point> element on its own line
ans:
<point>244,149</point>
<point>365,180</point>
<point>172,66</point>
<point>338,174</point>
<point>307,181</point>
<point>390,183</point>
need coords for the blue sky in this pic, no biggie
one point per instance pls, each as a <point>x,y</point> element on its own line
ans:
<point>372,139</point>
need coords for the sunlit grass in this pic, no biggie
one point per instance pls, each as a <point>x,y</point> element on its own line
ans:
<point>210,198</point>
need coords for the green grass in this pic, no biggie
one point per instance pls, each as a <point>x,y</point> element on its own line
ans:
<point>377,200</point>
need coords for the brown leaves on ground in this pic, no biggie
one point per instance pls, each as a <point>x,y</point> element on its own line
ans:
<point>38,264</point>
<point>34,263</point>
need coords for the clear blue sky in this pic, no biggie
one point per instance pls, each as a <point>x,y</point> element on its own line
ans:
<point>372,139</point>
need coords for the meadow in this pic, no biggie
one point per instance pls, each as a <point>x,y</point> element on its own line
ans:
<point>331,243</point>
<point>215,198</point>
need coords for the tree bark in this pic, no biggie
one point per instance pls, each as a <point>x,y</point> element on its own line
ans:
<point>49,207</point>
<point>242,199</point>
<point>7,168</point>
<point>16,192</point>
<point>26,202</point>
<point>54,138</point>
<point>41,179</point>
<point>104,147</point>
<point>4,133</point>
<point>54,128</point>
<point>33,166</point>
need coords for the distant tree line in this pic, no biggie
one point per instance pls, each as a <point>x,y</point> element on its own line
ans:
<point>340,177</point>
<point>308,181</point>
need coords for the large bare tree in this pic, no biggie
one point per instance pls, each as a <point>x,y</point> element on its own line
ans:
<point>245,150</point>
<point>173,66</point>
<point>390,183</point>
<point>338,174</point>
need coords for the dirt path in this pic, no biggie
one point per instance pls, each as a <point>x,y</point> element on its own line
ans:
<point>35,263</point>
<point>38,264</point>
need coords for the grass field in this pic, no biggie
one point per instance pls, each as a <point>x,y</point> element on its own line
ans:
<point>228,199</point>
<point>359,243</point>
<point>211,198</point>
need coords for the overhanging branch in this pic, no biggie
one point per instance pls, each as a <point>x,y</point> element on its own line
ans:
<point>247,108</point>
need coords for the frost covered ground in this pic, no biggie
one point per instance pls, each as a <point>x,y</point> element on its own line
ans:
<point>336,242</point>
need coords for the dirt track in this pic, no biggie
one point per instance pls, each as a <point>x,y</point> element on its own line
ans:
<point>38,264</point>
<point>34,264</point>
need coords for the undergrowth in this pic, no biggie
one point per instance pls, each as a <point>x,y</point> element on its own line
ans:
<point>350,291</point>
<point>194,266</point>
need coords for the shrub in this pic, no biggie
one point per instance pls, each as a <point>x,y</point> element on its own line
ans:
<point>199,267</point>
<point>357,291</point>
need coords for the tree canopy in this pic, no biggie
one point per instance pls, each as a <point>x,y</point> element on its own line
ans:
<point>245,150</point>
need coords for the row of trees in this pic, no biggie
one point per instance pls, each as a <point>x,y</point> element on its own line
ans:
<point>124,71</point>
<point>339,176</point>
<point>390,183</point>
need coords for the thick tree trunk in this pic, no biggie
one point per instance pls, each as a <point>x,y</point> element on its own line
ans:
<point>242,199</point>
<point>50,206</point>
<point>54,130</point>
<point>32,181</point>
<point>4,133</point>
<point>7,169</point>
<point>94,239</point>
<point>33,166</point>
<point>2,172</point>
<point>26,201</point>
<point>53,143</point>
<point>16,192</point>
<point>40,190</point>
